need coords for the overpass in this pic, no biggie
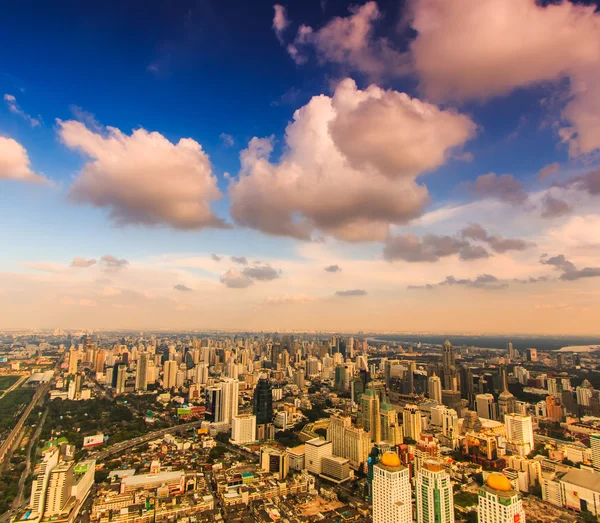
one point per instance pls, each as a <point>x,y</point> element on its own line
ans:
<point>140,440</point>
<point>17,432</point>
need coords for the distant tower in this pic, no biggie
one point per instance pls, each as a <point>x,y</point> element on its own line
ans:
<point>512,353</point>
<point>433,494</point>
<point>141,374</point>
<point>391,491</point>
<point>434,386</point>
<point>507,403</point>
<point>449,367</point>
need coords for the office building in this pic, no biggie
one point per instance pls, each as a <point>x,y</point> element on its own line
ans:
<point>486,406</point>
<point>498,502</point>
<point>141,373</point>
<point>434,388</point>
<point>314,452</point>
<point>296,455</point>
<point>519,434</point>
<point>170,374</point>
<point>275,461</point>
<point>335,468</point>
<point>595,445</point>
<point>73,361</point>
<point>391,491</point>
<point>352,443</point>
<point>370,410</point>
<point>411,422</point>
<point>59,488</point>
<point>243,429</point>
<point>263,402</point>
<point>41,478</point>
<point>121,377</point>
<point>391,431</point>
<point>433,494</point>
<point>230,389</point>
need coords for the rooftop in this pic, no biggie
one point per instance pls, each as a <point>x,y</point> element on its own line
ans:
<point>583,478</point>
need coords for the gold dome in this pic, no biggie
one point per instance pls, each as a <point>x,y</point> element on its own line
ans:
<point>498,481</point>
<point>390,459</point>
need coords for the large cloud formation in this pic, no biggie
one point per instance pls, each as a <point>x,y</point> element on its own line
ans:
<point>348,41</point>
<point>144,178</point>
<point>349,167</point>
<point>477,49</point>
<point>15,164</point>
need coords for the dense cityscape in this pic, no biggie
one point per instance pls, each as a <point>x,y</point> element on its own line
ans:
<point>138,428</point>
<point>317,261</point>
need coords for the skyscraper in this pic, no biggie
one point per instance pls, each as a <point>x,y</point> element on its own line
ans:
<point>263,402</point>
<point>121,377</point>
<point>391,491</point>
<point>449,368</point>
<point>498,502</point>
<point>371,421</point>
<point>512,353</point>
<point>434,386</point>
<point>433,494</point>
<point>141,374</point>
<point>507,403</point>
<point>73,361</point>
<point>170,374</point>
<point>229,398</point>
<point>411,422</point>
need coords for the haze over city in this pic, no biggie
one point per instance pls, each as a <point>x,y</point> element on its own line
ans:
<point>418,166</point>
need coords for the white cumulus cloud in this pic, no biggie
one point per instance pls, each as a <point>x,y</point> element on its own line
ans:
<point>143,178</point>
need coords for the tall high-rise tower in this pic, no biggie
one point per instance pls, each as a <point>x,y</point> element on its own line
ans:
<point>141,374</point>
<point>411,422</point>
<point>371,421</point>
<point>230,389</point>
<point>433,493</point>
<point>263,402</point>
<point>391,491</point>
<point>449,368</point>
<point>169,374</point>
<point>507,403</point>
<point>434,386</point>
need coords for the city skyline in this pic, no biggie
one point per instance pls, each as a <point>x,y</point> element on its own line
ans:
<point>417,166</point>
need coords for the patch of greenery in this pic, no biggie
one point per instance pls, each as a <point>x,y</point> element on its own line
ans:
<point>6,382</point>
<point>11,405</point>
<point>465,499</point>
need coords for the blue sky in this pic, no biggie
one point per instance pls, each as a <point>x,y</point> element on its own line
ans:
<point>220,74</point>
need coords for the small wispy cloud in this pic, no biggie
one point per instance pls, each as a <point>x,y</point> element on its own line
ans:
<point>14,108</point>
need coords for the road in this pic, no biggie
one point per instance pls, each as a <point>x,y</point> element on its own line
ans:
<point>15,436</point>
<point>18,501</point>
<point>125,445</point>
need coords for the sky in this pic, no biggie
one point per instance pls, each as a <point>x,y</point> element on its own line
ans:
<point>390,166</point>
